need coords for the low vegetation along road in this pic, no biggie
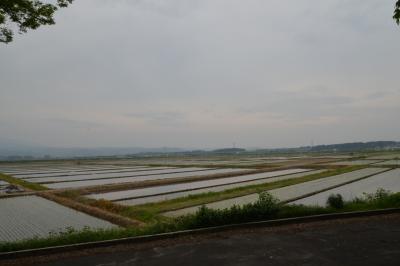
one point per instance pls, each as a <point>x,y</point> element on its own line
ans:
<point>356,241</point>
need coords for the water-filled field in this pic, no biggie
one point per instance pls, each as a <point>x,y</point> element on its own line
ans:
<point>145,192</point>
<point>174,195</point>
<point>183,173</point>
<point>288,193</point>
<point>3,185</point>
<point>75,172</point>
<point>106,175</point>
<point>26,169</point>
<point>388,180</point>
<point>59,171</point>
<point>31,216</point>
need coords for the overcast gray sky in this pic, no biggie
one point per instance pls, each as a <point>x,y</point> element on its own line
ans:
<point>204,73</point>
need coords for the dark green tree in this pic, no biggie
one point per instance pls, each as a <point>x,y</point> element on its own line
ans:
<point>23,15</point>
<point>396,15</point>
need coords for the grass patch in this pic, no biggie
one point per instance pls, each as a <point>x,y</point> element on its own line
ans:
<point>22,183</point>
<point>266,208</point>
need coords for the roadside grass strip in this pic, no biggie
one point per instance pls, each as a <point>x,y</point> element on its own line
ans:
<point>287,193</point>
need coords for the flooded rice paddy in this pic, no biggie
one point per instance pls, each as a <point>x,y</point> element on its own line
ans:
<point>156,190</point>
<point>389,181</point>
<point>32,216</point>
<point>287,193</point>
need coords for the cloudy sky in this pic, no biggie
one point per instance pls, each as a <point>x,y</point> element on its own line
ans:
<point>204,74</point>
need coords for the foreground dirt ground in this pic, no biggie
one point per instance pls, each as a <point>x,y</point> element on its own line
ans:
<point>357,241</point>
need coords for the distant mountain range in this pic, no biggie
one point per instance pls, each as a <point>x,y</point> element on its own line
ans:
<point>30,152</point>
<point>342,147</point>
<point>16,151</point>
<point>355,146</point>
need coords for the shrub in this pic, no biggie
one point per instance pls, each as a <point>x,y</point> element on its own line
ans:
<point>266,207</point>
<point>335,201</point>
<point>380,194</point>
